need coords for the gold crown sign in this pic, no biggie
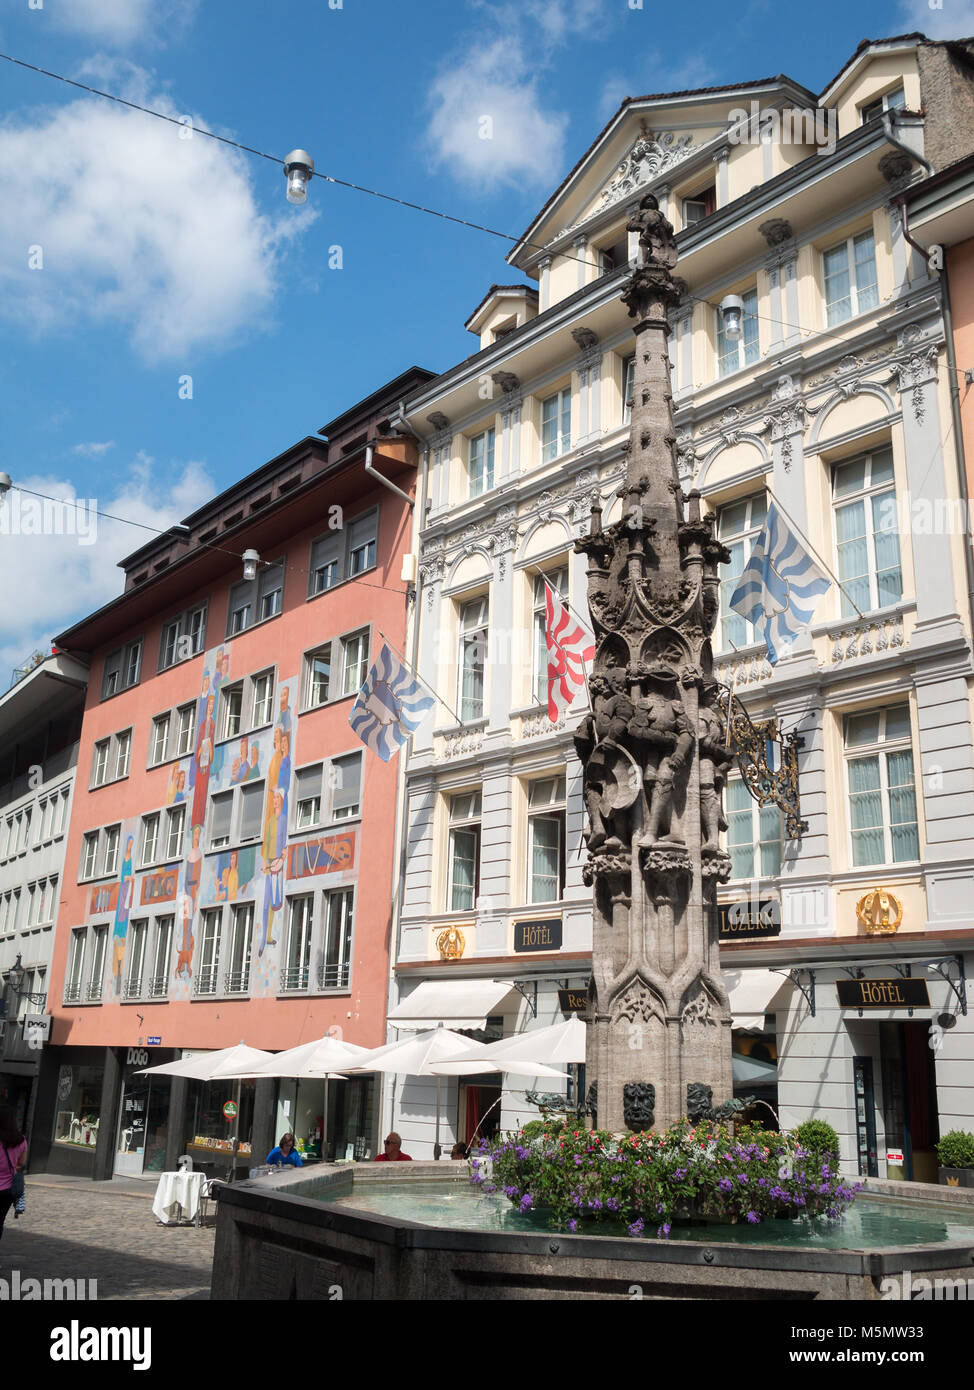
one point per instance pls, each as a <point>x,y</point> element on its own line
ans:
<point>450,943</point>
<point>880,912</point>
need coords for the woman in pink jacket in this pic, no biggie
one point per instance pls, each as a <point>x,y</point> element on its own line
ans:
<point>13,1159</point>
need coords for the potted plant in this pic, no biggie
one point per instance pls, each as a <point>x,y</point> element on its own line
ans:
<point>956,1153</point>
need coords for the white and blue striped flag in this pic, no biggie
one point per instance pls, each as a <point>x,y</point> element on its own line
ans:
<point>780,586</point>
<point>390,706</point>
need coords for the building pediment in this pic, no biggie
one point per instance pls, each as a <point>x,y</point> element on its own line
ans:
<point>650,155</point>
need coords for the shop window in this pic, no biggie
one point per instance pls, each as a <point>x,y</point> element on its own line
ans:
<point>78,1110</point>
<point>882,789</point>
<point>465,811</point>
<point>867,533</point>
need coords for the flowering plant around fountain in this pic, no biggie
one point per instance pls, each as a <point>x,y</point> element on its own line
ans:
<point>702,1171</point>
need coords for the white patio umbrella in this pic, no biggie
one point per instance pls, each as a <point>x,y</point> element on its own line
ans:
<point>325,1059</point>
<point>562,1042</point>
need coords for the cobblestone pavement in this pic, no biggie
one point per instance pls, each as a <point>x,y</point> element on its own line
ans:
<point>77,1229</point>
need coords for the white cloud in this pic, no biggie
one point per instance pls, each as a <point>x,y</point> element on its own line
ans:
<point>110,217</point>
<point>93,451</point>
<point>57,578</point>
<point>954,20</point>
<point>121,23</point>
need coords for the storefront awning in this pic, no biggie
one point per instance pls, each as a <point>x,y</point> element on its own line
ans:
<point>750,995</point>
<point>450,1004</point>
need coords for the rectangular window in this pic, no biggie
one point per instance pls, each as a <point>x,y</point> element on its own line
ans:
<point>240,607</point>
<point>319,675</point>
<point>176,820</point>
<point>238,964</point>
<point>160,738</point>
<point>270,592</point>
<point>546,840</point>
<point>361,543</point>
<point>185,716</point>
<point>701,205</point>
<point>159,979</point>
<point>337,955</point>
<point>308,796</point>
<point>196,629</point>
<point>209,958</point>
<point>47,816</point>
<point>150,838</point>
<point>464,851</point>
<point>5,837</point>
<point>473,658</point>
<point>123,751</point>
<point>254,600</point>
<point>558,581</point>
<point>168,645</point>
<point>137,935</point>
<point>121,669</point>
<point>355,660</point>
<point>735,353</point>
<point>24,837</point>
<point>345,776</point>
<point>754,837</point>
<point>62,813</point>
<point>110,862</point>
<point>297,954</point>
<point>556,425</point>
<point>75,971</point>
<point>850,278</point>
<point>738,525</point>
<point>232,711</point>
<point>867,533</point>
<point>99,767</point>
<point>263,699</point>
<point>889,102</point>
<point>221,816</point>
<point>882,791</point>
<point>96,976</point>
<point>89,854</point>
<point>614,255</point>
<point>628,386</point>
<point>326,563</point>
<point>481,470</point>
<point>251,804</point>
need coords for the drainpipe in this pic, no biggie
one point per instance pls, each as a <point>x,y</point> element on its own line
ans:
<point>374,473</point>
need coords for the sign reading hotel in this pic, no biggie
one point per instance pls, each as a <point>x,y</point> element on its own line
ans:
<point>538,934</point>
<point>745,919</point>
<point>897,993</point>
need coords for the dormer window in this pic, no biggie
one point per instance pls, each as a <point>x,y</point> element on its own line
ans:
<point>888,102</point>
<point>614,257</point>
<point>505,329</point>
<point>701,205</point>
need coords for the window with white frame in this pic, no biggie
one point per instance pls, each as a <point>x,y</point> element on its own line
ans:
<point>297,948</point>
<point>239,607</point>
<point>889,101</point>
<point>255,600</point>
<point>628,386</point>
<point>23,836</point>
<point>345,781</point>
<point>735,353</point>
<point>207,972</point>
<point>739,524</point>
<point>882,788</point>
<point>361,544</point>
<point>754,835</point>
<point>161,952</point>
<point>99,765</point>
<point>113,834</point>
<point>61,815</point>
<point>270,592</point>
<point>221,819</point>
<point>546,839</point>
<point>481,465</point>
<point>121,669</point>
<point>251,805</point>
<point>556,425</point>
<point>867,533</point>
<point>326,563</point>
<point>35,984</point>
<point>138,934</point>
<point>464,851</point>
<point>337,954</point>
<point>307,796</point>
<point>175,825</point>
<point>263,703</point>
<point>185,728</point>
<point>342,555</point>
<point>472,662</point>
<point>111,758</point>
<point>123,753</point>
<point>237,979</point>
<point>5,834</point>
<point>5,899</point>
<point>47,818</point>
<point>96,975</point>
<point>182,637</point>
<point>159,743</point>
<point>558,581</point>
<point>318,676</point>
<point>700,205</point>
<point>150,838</point>
<point>89,854</point>
<point>355,661</point>
<point>849,273</point>
<point>74,975</point>
<point>231,721</point>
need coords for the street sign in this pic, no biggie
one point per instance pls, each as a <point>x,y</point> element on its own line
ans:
<point>154,1042</point>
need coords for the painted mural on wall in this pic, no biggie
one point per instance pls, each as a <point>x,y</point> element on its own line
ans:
<point>256,873</point>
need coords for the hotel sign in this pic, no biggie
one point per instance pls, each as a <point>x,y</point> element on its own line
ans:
<point>538,934</point>
<point>745,919</point>
<point>897,993</point>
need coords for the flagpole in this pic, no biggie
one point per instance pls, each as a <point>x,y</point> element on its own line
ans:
<point>415,673</point>
<point>802,537</point>
<point>584,621</point>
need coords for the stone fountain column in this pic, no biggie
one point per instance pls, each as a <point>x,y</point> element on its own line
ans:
<point>653,755</point>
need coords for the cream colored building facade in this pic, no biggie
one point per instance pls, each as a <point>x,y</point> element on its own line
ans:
<point>835,402</point>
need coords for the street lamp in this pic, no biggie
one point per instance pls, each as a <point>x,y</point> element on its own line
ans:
<point>250,562</point>
<point>732,311</point>
<point>298,167</point>
<point>14,978</point>
<point>5,484</point>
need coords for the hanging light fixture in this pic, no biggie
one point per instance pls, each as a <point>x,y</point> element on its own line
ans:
<point>298,167</point>
<point>732,313</point>
<point>250,562</point>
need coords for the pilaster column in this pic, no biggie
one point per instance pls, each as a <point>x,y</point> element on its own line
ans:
<point>720,158</point>
<point>432,624</point>
<point>544,287</point>
<point>580,245</point>
<point>589,384</point>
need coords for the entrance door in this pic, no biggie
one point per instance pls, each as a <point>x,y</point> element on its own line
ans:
<point>480,1111</point>
<point>132,1115</point>
<point>909,1101</point>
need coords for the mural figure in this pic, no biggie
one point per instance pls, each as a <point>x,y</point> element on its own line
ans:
<point>284,716</point>
<point>284,770</point>
<point>184,956</point>
<point>176,790</point>
<point>273,849</point>
<point>122,911</point>
<point>205,739</point>
<point>247,763</point>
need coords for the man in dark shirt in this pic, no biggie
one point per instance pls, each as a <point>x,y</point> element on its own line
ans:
<point>393,1151</point>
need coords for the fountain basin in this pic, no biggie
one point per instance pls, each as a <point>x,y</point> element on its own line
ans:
<point>345,1232</point>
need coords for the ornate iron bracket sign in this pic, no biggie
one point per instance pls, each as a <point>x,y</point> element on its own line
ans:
<point>807,988</point>
<point>522,991</point>
<point>959,986</point>
<point>768,762</point>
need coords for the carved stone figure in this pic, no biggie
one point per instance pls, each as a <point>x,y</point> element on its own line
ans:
<point>657,245</point>
<point>639,1105</point>
<point>606,765</point>
<point>660,722</point>
<point>713,760</point>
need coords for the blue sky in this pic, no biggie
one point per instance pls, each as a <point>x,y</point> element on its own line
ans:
<point>165,257</point>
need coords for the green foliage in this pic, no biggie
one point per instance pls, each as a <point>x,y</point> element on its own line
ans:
<point>956,1149</point>
<point>817,1137</point>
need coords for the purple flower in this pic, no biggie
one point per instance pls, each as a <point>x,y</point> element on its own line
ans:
<point>489,1187</point>
<point>477,1179</point>
<point>725,1184</point>
<point>680,1174</point>
<point>526,1201</point>
<point>636,1229</point>
<point>510,1192</point>
<point>753,1217</point>
<point>741,1177</point>
<point>612,1204</point>
<point>578,1160</point>
<point>662,1231</point>
<point>762,1182</point>
<point>595,1204</point>
<point>573,1224</point>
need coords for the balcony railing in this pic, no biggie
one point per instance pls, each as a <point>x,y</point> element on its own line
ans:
<point>295,977</point>
<point>133,988</point>
<point>158,986</point>
<point>206,980</point>
<point>93,992</point>
<point>334,976</point>
<point>237,981</point>
<point>72,994</point>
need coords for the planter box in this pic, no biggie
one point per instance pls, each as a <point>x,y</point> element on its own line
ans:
<point>956,1177</point>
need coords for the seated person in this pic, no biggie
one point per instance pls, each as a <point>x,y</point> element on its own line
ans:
<point>459,1150</point>
<point>393,1151</point>
<point>285,1152</point>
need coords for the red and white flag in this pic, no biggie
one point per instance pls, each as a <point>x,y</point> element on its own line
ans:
<point>570,645</point>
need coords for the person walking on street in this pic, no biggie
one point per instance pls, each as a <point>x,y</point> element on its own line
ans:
<point>13,1161</point>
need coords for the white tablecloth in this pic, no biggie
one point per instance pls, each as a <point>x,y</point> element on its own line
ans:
<point>178,1195</point>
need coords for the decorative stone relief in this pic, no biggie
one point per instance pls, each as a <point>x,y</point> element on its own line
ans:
<point>650,156</point>
<point>459,745</point>
<point>865,638</point>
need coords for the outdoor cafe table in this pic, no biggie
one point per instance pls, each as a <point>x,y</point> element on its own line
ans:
<point>178,1195</point>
